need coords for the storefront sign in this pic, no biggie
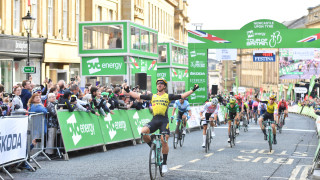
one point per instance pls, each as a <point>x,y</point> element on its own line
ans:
<point>103,66</point>
<point>264,56</point>
<point>29,69</point>
<point>300,90</point>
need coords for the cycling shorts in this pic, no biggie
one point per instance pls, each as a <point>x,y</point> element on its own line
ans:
<point>159,122</point>
<point>267,116</point>
<point>281,109</point>
<point>232,116</point>
<point>180,114</point>
<point>208,116</point>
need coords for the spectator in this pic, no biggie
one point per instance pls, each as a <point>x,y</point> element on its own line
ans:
<point>25,94</point>
<point>52,122</point>
<point>35,105</point>
<point>17,105</point>
<point>61,85</point>
<point>119,40</point>
<point>112,41</point>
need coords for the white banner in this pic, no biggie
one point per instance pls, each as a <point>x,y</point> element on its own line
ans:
<point>303,53</point>
<point>13,139</point>
<point>240,89</point>
<point>300,90</point>
<point>194,120</point>
<point>226,54</point>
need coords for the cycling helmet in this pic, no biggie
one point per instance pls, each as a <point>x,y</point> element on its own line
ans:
<point>214,101</point>
<point>36,89</point>
<point>232,101</point>
<point>239,97</point>
<point>162,79</point>
<point>272,97</point>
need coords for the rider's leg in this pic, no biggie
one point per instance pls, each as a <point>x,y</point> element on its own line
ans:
<point>165,149</point>
<point>212,120</point>
<point>177,127</point>
<point>247,118</point>
<point>146,138</point>
<point>204,135</point>
<point>262,127</point>
<point>274,133</point>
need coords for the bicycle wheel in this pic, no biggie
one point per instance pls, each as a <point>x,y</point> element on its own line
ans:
<point>207,141</point>
<point>181,138</point>
<point>270,138</point>
<point>153,162</point>
<point>280,124</point>
<point>234,136</point>
<point>160,167</point>
<point>175,141</point>
<point>231,135</point>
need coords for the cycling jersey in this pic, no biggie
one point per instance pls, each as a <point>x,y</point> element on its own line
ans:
<point>235,108</point>
<point>255,104</point>
<point>271,108</point>
<point>262,108</point>
<point>283,105</point>
<point>250,103</point>
<point>208,108</point>
<point>182,107</point>
<point>243,106</point>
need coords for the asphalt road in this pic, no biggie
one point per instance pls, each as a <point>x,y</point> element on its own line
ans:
<point>249,159</point>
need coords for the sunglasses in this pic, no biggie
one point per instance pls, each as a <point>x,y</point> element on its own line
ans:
<point>160,82</point>
<point>272,99</point>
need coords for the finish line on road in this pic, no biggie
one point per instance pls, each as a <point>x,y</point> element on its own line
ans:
<point>256,128</point>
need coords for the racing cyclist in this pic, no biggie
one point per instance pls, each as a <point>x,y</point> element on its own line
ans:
<point>210,110</point>
<point>250,105</point>
<point>160,103</point>
<point>184,113</point>
<point>283,107</point>
<point>272,111</point>
<point>255,107</point>
<point>244,108</point>
<point>233,112</point>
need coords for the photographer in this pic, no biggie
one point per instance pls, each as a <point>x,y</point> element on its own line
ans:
<point>70,102</point>
<point>17,106</point>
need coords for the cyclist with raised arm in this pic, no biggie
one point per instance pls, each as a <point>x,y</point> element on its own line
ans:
<point>184,112</point>
<point>209,112</point>
<point>271,113</point>
<point>283,107</point>
<point>232,114</point>
<point>160,103</point>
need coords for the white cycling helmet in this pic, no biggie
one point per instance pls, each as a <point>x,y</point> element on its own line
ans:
<point>214,101</point>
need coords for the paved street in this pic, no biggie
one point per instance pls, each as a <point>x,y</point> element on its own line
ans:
<point>292,158</point>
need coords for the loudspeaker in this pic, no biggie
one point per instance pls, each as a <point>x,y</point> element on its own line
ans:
<point>214,89</point>
<point>141,80</point>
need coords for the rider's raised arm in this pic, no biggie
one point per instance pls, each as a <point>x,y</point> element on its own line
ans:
<point>186,94</point>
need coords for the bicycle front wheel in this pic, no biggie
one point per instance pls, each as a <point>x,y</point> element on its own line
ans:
<point>160,167</point>
<point>207,140</point>
<point>175,141</point>
<point>153,162</point>
<point>181,138</point>
<point>231,136</point>
<point>270,138</point>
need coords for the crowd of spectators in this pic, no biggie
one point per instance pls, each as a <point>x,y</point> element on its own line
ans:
<point>46,98</point>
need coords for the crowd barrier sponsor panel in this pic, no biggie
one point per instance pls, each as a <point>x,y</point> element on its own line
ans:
<point>116,127</point>
<point>194,121</point>
<point>13,134</point>
<point>138,119</point>
<point>79,130</point>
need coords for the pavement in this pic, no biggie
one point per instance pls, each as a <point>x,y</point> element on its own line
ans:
<point>291,158</point>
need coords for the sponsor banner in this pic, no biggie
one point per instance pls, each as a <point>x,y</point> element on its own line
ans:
<point>178,74</point>
<point>194,120</point>
<point>312,81</point>
<point>163,73</point>
<point>79,129</point>
<point>13,138</point>
<point>103,66</point>
<point>226,54</point>
<point>300,90</point>
<point>240,90</point>
<point>115,127</point>
<point>221,113</point>
<point>264,56</point>
<point>138,119</point>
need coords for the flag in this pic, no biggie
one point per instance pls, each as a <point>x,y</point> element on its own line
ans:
<point>289,91</point>
<point>208,36</point>
<point>134,62</point>
<point>237,84</point>
<point>29,3</point>
<point>312,81</point>
<point>152,64</point>
<point>311,38</point>
<point>280,94</point>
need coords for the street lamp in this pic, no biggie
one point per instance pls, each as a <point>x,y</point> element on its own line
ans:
<point>28,22</point>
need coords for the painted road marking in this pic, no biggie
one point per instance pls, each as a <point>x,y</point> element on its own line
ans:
<point>211,172</point>
<point>296,171</point>
<point>208,155</point>
<point>275,177</point>
<point>284,129</point>
<point>176,167</point>
<point>195,160</point>
<point>220,149</point>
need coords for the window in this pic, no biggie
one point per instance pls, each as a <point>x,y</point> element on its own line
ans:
<point>34,15</point>
<point>98,14</point>
<point>111,15</point>
<point>77,10</point>
<point>50,17</point>
<point>178,87</point>
<point>102,37</point>
<point>16,15</point>
<point>154,44</point>
<point>135,38</point>
<point>145,41</point>
<point>162,53</point>
<point>65,17</point>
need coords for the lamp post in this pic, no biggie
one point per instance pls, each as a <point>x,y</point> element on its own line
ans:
<point>28,22</point>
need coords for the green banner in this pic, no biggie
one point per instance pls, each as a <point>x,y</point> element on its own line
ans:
<point>198,65</point>
<point>280,93</point>
<point>289,91</point>
<point>163,73</point>
<point>79,130</point>
<point>312,81</point>
<point>116,127</point>
<point>237,84</point>
<point>93,66</point>
<point>138,119</point>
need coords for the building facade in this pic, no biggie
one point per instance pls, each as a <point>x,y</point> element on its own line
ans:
<point>56,28</point>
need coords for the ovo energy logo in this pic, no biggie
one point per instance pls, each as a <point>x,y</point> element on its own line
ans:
<point>74,130</point>
<point>93,65</point>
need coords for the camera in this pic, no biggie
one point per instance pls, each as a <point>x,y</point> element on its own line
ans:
<point>4,107</point>
<point>8,95</point>
<point>72,79</point>
<point>73,98</point>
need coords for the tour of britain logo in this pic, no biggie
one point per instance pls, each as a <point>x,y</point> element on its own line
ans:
<point>93,66</point>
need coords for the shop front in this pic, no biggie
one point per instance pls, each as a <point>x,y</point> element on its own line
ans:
<point>13,58</point>
<point>114,52</point>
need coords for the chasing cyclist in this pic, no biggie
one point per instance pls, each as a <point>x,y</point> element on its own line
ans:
<point>232,114</point>
<point>184,113</point>
<point>250,104</point>
<point>255,107</point>
<point>160,103</point>
<point>210,110</point>
<point>244,108</point>
<point>272,111</point>
<point>283,107</point>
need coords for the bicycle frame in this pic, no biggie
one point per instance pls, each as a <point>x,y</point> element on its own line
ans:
<point>269,133</point>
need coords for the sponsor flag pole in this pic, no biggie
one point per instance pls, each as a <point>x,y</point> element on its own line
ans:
<point>312,82</point>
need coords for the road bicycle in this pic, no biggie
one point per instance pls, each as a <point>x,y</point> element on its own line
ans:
<point>232,134</point>
<point>155,155</point>
<point>256,116</point>
<point>281,122</point>
<point>208,134</point>
<point>267,125</point>
<point>180,134</point>
<point>244,122</point>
